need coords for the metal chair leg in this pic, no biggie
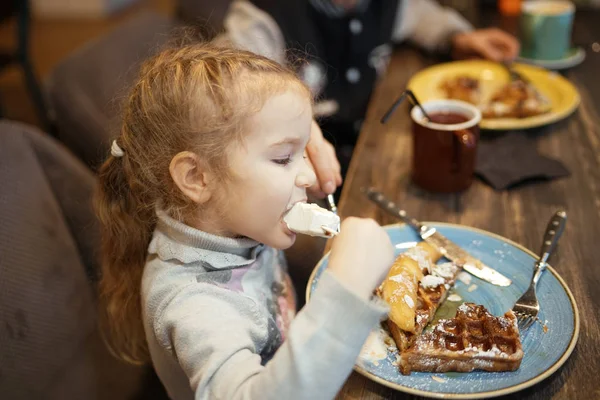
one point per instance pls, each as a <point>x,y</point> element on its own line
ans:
<point>31,80</point>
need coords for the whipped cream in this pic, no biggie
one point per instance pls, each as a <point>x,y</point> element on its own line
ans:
<point>454,297</point>
<point>445,270</point>
<point>309,219</point>
<point>376,347</point>
<point>431,281</point>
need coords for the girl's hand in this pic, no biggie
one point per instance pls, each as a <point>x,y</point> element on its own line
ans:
<point>321,155</point>
<point>361,255</point>
<point>492,44</point>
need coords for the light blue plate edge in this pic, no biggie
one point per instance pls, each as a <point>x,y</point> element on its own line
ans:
<point>478,395</point>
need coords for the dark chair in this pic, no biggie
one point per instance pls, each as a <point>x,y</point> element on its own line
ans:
<point>19,9</point>
<point>86,88</point>
<point>50,347</point>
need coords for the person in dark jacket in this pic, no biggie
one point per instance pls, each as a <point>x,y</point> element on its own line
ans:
<point>345,45</point>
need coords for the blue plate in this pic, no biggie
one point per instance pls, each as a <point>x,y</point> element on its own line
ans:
<point>544,352</point>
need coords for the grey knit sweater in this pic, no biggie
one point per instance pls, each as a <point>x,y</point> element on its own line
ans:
<point>218,318</point>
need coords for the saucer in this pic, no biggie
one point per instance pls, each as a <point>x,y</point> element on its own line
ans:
<point>574,56</point>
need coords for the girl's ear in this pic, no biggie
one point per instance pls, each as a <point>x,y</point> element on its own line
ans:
<point>191,176</point>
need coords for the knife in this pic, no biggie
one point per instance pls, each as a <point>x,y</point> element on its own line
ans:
<point>450,250</point>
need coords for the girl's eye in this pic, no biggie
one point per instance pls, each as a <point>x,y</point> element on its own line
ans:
<point>283,161</point>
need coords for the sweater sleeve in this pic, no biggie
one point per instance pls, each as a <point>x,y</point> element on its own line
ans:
<point>427,24</point>
<point>216,344</point>
<point>249,28</point>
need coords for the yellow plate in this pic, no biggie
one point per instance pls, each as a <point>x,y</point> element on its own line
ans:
<point>561,93</point>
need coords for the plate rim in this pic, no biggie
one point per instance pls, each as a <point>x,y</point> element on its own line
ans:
<point>493,393</point>
<point>503,124</point>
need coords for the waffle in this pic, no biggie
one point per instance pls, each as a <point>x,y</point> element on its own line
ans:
<point>463,88</point>
<point>474,339</point>
<point>517,99</point>
<point>426,290</point>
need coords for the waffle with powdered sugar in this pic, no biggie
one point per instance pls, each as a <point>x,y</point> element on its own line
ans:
<point>473,340</point>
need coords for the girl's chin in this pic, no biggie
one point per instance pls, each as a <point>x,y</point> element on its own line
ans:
<point>290,240</point>
<point>284,240</point>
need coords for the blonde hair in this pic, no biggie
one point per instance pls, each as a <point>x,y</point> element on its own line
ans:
<point>187,98</point>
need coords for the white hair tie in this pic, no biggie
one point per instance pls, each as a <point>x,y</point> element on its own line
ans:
<point>115,150</point>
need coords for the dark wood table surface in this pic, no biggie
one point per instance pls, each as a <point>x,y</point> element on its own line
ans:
<point>382,159</point>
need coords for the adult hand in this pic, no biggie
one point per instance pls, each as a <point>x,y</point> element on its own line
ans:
<point>321,155</point>
<point>492,43</point>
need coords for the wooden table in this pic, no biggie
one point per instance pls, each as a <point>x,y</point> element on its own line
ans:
<point>382,159</point>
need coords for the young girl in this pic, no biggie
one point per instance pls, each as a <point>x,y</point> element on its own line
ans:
<point>192,199</point>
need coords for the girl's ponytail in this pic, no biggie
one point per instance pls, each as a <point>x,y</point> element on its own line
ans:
<point>127,224</point>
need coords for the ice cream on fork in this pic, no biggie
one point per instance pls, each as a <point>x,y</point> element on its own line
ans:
<point>310,219</point>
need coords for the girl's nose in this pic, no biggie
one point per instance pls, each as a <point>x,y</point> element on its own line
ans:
<point>306,176</point>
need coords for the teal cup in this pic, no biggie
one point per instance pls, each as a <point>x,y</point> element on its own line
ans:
<point>546,29</point>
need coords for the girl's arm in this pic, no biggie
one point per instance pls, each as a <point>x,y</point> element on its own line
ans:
<point>428,24</point>
<point>216,342</point>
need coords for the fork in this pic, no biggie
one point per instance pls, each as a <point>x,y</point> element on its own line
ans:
<point>333,209</point>
<point>331,202</point>
<point>527,306</point>
<point>514,75</point>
